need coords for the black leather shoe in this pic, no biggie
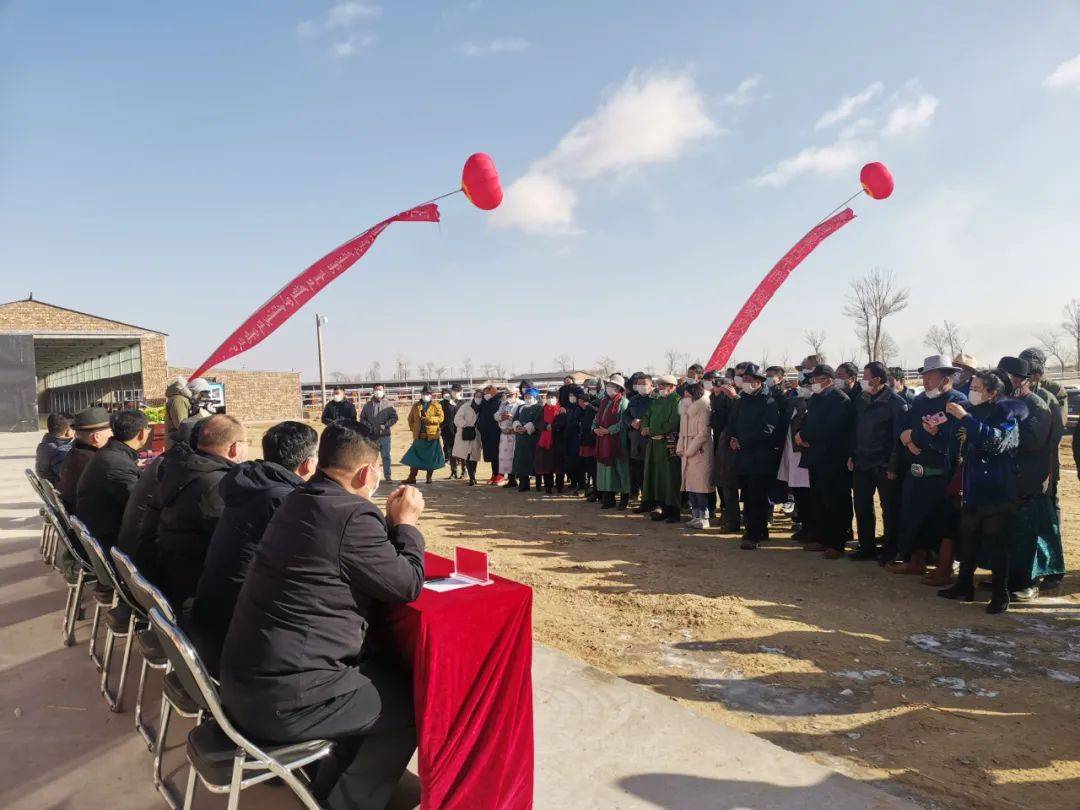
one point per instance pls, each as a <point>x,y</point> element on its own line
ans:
<point>863,553</point>
<point>965,593</point>
<point>998,604</point>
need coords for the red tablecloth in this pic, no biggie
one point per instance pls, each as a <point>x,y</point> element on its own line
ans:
<point>470,652</point>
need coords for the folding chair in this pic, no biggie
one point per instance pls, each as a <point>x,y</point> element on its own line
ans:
<point>223,759</point>
<point>174,697</point>
<point>102,593</point>
<point>76,576</point>
<point>119,619</point>
<point>48,540</point>
<point>149,647</point>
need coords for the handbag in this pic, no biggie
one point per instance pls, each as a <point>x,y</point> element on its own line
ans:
<point>468,433</point>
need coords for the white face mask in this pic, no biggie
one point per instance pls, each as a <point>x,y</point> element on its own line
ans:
<point>737,379</point>
<point>932,393</point>
<point>478,397</point>
<point>426,398</point>
<point>803,392</point>
<point>378,481</point>
<point>641,389</point>
<point>817,388</point>
<point>748,388</point>
<point>455,395</point>
<point>866,385</point>
<point>378,394</point>
<point>530,400</point>
<point>487,396</point>
<point>552,400</point>
<point>707,385</point>
<point>612,391</point>
<point>338,397</point>
<point>976,397</point>
<point>571,399</point>
<point>840,385</point>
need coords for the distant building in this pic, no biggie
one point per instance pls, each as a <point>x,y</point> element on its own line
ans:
<point>58,359</point>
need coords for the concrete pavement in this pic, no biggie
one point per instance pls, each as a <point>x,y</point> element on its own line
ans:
<point>601,742</point>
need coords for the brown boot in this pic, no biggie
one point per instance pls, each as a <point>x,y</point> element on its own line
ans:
<point>916,566</point>
<point>942,574</point>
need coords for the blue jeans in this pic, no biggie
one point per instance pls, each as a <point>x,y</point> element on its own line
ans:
<point>384,450</point>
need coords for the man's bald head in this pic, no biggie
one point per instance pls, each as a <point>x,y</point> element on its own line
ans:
<point>223,435</point>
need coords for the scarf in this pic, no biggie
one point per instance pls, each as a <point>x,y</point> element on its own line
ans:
<point>608,447</point>
<point>547,437</point>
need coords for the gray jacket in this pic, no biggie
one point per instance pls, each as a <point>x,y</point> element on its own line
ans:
<point>378,416</point>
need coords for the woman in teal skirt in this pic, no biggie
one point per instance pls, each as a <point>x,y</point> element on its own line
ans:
<point>426,453</point>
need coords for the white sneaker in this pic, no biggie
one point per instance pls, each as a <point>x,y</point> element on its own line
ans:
<point>704,523</point>
<point>695,523</point>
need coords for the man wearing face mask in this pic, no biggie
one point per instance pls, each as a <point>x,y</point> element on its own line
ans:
<point>725,404</point>
<point>879,417</point>
<point>451,399</point>
<point>339,409</point>
<point>425,422</point>
<point>296,665</point>
<point>662,488</point>
<point>491,431</point>
<point>1034,533</point>
<point>377,418</point>
<point>927,512</point>
<point>694,373</point>
<point>640,400</point>
<point>966,366</point>
<point>824,443</point>
<point>756,444</point>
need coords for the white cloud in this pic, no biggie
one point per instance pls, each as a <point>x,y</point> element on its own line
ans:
<point>500,45</point>
<point>651,118</point>
<point>343,15</point>
<point>911,116</point>
<point>347,47</point>
<point>860,126</point>
<point>848,105</point>
<point>816,160</point>
<point>1067,74</point>
<point>744,93</point>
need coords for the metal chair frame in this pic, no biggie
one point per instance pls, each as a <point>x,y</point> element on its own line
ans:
<point>64,532</point>
<point>47,546</point>
<point>105,573</point>
<point>248,758</point>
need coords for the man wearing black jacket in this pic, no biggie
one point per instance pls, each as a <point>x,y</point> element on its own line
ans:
<point>53,448</point>
<point>191,505</point>
<point>339,409</point>
<point>252,492</point>
<point>879,418</point>
<point>755,440</point>
<point>491,432</point>
<point>92,430</point>
<point>111,475</point>
<point>295,666</point>
<point>824,441</point>
<point>450,402</point>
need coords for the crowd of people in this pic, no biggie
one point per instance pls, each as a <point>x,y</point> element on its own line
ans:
<point>275,563</point>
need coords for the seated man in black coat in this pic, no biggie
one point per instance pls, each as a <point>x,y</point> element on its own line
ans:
<point>53,448</point>
<point>295,666</point>
<point>92,430</point>
<point>190,506</point>
<point>252,492</point>
<point>111,475</point>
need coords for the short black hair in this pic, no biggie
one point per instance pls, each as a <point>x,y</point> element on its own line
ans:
<point>127,424</point>
<point>896,373</point>
<point>455,387</point>
<point>339,388</point>
<point>289,443</point>
<point>877,371</point>
<point>57,423</point>
<point>991,381</point>
<point>850,369</point>
<point>775,370</point>
<point>342,448</point>
<point>697,367</point>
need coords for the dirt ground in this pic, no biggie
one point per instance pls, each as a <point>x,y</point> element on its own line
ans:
<point>864,670</point>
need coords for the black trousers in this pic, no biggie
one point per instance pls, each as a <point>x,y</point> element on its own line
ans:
<point>756,506</point>
<point>730,498</point>
<point>982,528</point>
<point>804,507</point>
<point>830,489</point>
<point>373,729</point>
<point>637,476</point>
<point>866,483</point>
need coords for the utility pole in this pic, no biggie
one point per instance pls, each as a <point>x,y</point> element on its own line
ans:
<point>320,322</point>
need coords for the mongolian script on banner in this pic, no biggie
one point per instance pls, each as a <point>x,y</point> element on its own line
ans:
<point>303,288</point>
<point>770,284</point>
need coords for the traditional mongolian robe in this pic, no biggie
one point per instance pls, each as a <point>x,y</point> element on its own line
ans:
<point>425,422</point>
<point>550,445</point>
<point>612,450</point>
<point>662,468</point>
<point>525,443</point>
<point>505,417</point>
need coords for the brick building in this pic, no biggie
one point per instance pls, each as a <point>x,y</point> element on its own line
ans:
<point>54,358</point>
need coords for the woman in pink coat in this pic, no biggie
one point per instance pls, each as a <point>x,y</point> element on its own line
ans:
<point>695,449</point>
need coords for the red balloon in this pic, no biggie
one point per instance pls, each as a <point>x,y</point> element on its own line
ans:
<point>480,182</point>
<point>876,180</point>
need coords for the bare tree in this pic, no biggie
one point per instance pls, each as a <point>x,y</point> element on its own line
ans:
<point>402,367</point>
<point>563,362</point>
<point>338,377</point>
<point>946,339</point>
<point>871,300</point>
<point>934,339</point>
<point>672,358</point>
<point>1071,325</point>
<point>765,359</point>
<point>650,369</point>
<point>816,341</point>
<point>467,367</point>
<point>1052,342</point>
<point>487,369</point>
<point>605,366</point>
<point>501,371</point>
<point>785,360</point>
<point>427,371</point>
<point>889,349</point>
<point>374,371</point>
<point>440,373</point>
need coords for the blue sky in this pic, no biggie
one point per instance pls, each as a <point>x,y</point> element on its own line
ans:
<point>174,164</point>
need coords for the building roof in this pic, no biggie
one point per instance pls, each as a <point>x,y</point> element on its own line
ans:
<point>31,300</point>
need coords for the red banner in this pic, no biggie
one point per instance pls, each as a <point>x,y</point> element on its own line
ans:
<point>770,284</point>
<point>286,301</point>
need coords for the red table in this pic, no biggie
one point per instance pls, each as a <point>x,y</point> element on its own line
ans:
<point>470,652</point>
